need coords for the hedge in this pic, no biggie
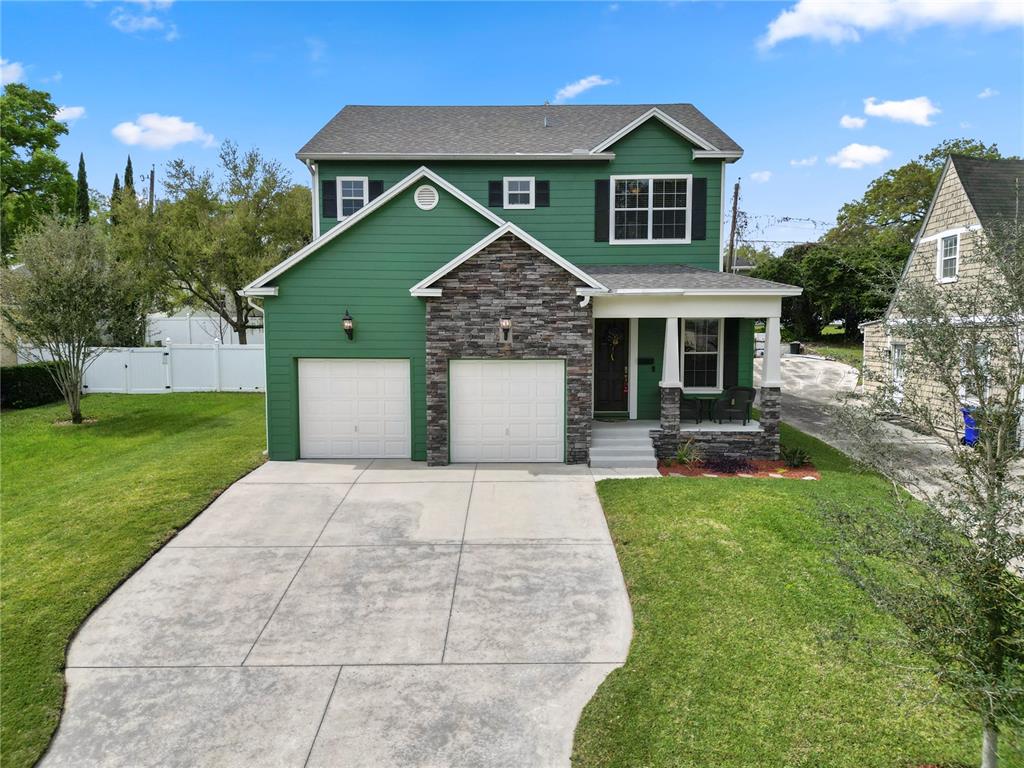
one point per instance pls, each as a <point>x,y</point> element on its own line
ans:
<point>26,386</point>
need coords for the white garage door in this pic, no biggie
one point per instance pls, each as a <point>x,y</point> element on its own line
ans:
<point>507,410</point>
<point>354,409</point>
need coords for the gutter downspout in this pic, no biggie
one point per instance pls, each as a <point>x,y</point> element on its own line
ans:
<point>266,412</point>
<point>314,172</point>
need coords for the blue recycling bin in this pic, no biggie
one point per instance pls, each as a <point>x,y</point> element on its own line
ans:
<point>970,427</point>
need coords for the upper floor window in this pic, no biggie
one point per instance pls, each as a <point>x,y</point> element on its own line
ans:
<point>646,209</point>
<point>949,258</point>
<point>518,191</point>
<point>352,194</point>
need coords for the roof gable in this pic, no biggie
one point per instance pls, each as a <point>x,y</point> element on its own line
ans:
<point>258,287</point>
<point>992,186</point>
<point>423,287</point>
<point>547,131</point>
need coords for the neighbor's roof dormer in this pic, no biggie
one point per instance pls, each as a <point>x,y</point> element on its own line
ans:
<point>557,131</point>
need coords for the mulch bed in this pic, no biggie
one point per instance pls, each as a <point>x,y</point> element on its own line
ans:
<point>761,468</point>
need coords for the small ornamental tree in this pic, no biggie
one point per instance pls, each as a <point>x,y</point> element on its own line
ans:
<point>959,555</point>
<point>59,297</point>
<point>82,193</point>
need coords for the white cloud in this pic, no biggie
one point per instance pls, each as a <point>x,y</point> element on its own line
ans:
<point>761,176</point>
<point>157,131</point>
<point>572,90</point>
<point>316,49</point>
<point>845,22</point>
<point>56,77</point>
<point>613,7</point>
<point>69,114</point>
<point>11,71</point>
<point>917,111</point>
<point>131,22</point>
<point>859,155</point>
<point>853,123</point>
<point>804,162</point>
<point>988,93</point>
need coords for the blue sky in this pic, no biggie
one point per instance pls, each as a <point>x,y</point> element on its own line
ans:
<point>778,77</point>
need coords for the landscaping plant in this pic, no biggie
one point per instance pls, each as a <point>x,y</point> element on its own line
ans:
<point>687,453</point>
<point>964,547</point>
<point>794,456</point>
<point>726,464</point>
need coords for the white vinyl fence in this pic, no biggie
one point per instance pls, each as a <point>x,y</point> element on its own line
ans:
<point>176,368</point>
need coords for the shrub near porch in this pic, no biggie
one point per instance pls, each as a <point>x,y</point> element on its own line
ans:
<point>750,648</point>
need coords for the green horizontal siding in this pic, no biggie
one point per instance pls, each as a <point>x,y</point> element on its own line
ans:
<point>367,270</point>
<point>567,225</point>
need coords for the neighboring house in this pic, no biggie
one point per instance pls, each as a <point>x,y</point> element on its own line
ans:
<point>972,195</point>
<point>484,282</point>
<point>742,265</point>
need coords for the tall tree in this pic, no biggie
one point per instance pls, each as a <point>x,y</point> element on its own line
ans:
<point>211,239</point>
<point>33,180</point>
<point>129,179</point>
<point>82,192</point>
<point>115,191</point>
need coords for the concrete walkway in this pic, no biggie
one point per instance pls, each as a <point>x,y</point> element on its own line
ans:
<point>371,614</point>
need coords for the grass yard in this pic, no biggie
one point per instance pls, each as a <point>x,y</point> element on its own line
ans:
<point>85,506</point>
<point>832,344</point>
<point>750,648</point>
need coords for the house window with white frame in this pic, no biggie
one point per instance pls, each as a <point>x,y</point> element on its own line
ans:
<point>352,194</point>
<point>650,209</point>
<point>949,257</point>
<point>702,355</point>
<point>897,355</point>
<point>519,191</point>
<point>974,373</point>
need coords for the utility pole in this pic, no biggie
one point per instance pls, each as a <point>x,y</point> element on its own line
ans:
<point>732,227</point>
<point>152,184</point>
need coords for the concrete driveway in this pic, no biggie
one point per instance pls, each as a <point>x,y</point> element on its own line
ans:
<point>329,613</point>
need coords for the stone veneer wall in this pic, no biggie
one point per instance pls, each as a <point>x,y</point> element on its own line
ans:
<point>509,279</point>
<point>751,445</point>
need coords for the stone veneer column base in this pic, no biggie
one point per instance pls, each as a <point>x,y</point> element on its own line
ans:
<point>666,439</point>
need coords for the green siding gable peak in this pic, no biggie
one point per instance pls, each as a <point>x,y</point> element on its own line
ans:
<point>258,286</point>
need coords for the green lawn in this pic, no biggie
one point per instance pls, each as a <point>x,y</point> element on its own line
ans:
<point>82,508</point>
<point>750,648</point>
<point>832,344</point>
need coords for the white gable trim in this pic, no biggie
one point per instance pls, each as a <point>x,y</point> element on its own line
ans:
<point>423,289</point>
<point>362,213</point>
<point>672,123</point>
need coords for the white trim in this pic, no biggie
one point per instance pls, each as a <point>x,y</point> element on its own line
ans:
<point>794,291</point>
<point>532,192</point>
<point>431,204</point>
<point>581,155</point>
<point>939,258</point>
<point>721,224</point>
<point>265,291</point>
<point>632,371</point>
<point>366,193</point>
<point>367,210</point>
<point>650,177</point>
<point>720,354</point>
<point>945,233</point>
<point>314,169</point>
<point>725,155</point>
<point>506,228</point>
<point>672,123</point>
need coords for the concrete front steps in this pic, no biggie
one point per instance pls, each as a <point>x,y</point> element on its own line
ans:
<point>622,444</point>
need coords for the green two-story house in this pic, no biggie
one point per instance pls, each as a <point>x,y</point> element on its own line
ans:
<point>491,283</point>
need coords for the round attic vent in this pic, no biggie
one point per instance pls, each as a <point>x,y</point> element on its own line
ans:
<point>426,197</point>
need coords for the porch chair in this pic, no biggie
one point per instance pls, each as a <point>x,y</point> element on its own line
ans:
<point>735,403</point>
<point>691,409</point>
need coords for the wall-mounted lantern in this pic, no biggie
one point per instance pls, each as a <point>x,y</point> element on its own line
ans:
<point>506,326</point>
<point>347,324</point>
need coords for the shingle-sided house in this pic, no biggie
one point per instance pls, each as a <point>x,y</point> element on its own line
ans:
<point>973,195</point>
<point>486,282</point>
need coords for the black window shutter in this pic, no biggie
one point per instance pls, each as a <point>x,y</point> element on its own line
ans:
<point>329,198</point>
<point>494,194</point>
<point>699,217</point>
<point>375,189</point>
<point>731,361</point>
<point>543,194</point>
<point>602,192</point>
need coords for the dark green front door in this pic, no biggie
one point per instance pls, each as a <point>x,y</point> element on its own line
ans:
<point>611,362</point>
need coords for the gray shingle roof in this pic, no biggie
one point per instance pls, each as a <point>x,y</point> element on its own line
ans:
<point>492,130</point>
<point>991,186</point>
<point>675,277</point>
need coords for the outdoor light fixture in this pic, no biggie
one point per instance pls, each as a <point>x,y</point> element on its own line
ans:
<point>347,325</point>
<point>506,326</point>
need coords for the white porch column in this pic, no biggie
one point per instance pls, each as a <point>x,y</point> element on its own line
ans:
<point>772,370</point>
<point>670,358</point>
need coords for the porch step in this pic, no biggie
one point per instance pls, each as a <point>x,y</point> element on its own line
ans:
<point>622,444</point>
